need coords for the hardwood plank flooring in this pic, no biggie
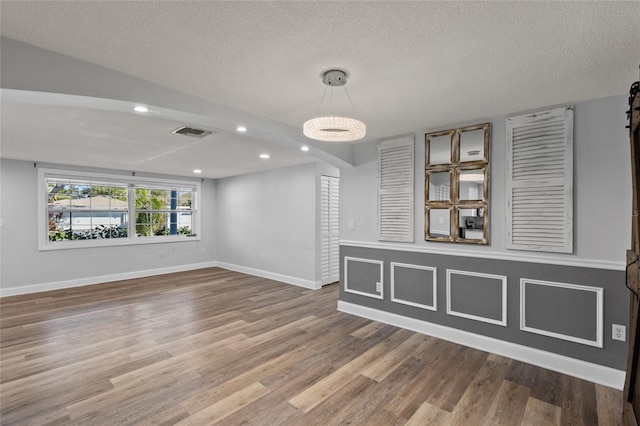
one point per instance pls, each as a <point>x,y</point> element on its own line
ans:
<point>218,347</point>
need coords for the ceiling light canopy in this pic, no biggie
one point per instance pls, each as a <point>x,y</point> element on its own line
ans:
<point>334,128</point>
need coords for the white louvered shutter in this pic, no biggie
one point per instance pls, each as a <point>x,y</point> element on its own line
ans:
<point>329,229</point>
<point>395,189</point>
<point>540,181</point>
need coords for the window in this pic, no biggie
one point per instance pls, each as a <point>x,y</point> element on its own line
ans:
<point>163,211</point>
<point>88,209</point>
<point>457,185</point>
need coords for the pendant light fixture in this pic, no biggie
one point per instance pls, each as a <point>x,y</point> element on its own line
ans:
<point>334,128</point>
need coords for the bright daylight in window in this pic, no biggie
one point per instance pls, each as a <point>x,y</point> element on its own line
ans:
<point>90,209</point>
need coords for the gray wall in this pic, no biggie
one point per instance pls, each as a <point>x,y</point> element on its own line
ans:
<point>602,208</point>
<point>267,221</point>
<point>22,264</point>
<point>568,312</point>
<point>602,187</point>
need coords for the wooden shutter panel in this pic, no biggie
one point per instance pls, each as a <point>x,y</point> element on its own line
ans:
<point>395,189</point>
<point>540,181</point>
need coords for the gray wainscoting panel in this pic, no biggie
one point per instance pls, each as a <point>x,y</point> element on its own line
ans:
<point>414,285</point>
<point>565,311</point>
<point>361,276</point>
<point>476,296</point>
<point>568,332</point>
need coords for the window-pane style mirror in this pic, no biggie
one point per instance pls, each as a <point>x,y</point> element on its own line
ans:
<point>471,184</point>
<point>440,223</point>
<point>472,145</point>
<point>457,185</point>
<point>439,149</point>
<point>439,186</point>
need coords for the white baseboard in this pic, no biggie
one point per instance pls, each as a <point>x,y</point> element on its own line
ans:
<point>300,282</point>
<point>573,367</point>
<point>57,285</point>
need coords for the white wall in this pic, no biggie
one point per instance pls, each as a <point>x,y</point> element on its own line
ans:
<point>22,265</point>
<point>602,189</point>
<point>266,223</point>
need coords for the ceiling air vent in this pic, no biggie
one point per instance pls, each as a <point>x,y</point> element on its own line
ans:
<point>192,132</point>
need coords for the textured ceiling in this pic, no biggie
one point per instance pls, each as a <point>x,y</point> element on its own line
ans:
<point>411,65</point>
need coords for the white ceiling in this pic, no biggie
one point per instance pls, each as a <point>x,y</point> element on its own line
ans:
<point>411,66</point>
<point>81,136</point>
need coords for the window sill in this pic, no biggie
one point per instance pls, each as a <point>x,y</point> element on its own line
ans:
<point>84,244</point>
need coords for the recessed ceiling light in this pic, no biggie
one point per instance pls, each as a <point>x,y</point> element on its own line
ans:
<point>197,171</point>
<point>265,156</point>
<point>241,129</point>
<point>304,148</point>
<point>141,108</point>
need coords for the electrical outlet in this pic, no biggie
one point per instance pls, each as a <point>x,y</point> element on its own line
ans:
<point>619,332</point>
<point>378,287</point>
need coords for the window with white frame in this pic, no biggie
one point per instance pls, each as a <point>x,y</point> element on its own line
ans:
<point>88,209</point>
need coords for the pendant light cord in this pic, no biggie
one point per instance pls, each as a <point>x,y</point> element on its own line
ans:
<point>324,93</point>
<point>349,97</point>
<point>321,100</point>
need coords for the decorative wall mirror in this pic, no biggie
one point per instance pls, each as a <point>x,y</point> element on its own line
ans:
<point>457,185</point>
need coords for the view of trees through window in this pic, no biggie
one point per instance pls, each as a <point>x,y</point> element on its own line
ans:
<point>159,212</point>
<point>86,210</point>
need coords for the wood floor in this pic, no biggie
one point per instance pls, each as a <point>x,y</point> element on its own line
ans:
<point>219,347</point>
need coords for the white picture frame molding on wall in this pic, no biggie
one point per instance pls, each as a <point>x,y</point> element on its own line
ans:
<point>599,313</point>
<point>380,282</point>
<point>503,302</point>
<point>434,284</point>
